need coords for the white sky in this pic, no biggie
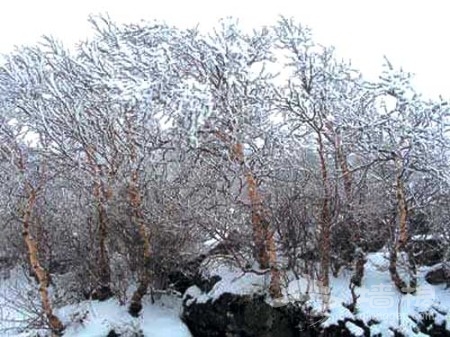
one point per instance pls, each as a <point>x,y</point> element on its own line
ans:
<point>413,34</point>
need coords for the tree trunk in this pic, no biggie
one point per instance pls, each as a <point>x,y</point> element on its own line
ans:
<point>346,174</point>
<point>263,238</point>
<point>259,224</point>
<point>402,241</point>
<point>403,214</point>
<point>104,292</point>
<point>275,280</point>
<point>325,220</point>
<point>41,274</point>
<point>359,255</point>
<point>139,221</point>
<point>101,195</point>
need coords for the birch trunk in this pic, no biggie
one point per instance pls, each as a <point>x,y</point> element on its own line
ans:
<point>402,242</point>
<point>263,238</point>
<point>41,274</point>
<point>101,195</point>
<point>325,220</point>
<point>356,228</point>
<point>138,220</point>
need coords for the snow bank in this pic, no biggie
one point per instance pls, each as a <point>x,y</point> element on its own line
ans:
<point>97,319</point>
<point>232,280</point>
<point>88,318</point>
<point>379,302</point>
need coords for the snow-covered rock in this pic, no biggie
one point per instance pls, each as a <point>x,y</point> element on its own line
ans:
<point>238,304</point>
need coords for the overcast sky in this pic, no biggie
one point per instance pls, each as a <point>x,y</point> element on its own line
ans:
<point>413,34</point>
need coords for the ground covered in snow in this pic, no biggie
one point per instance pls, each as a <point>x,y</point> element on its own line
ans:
<point>88,318</point>
<point>92,319</point>
<point>379,303</point>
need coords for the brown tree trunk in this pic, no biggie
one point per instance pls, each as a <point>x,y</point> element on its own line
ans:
<point>275,274</point>
<point>259,224</point>
<point>346,174</point>
<point>103,262</point>
<point>402,242</point>
<point>101,195</point>
<point>356,228</point>
<point>403,214</point>
<point>139,221</point>
<point>41,274</point>
<point>325,220</point>
<point>263,237</point>
<point>359,255</point>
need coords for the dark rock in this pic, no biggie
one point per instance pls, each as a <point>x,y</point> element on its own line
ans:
<point>428,326</point>
<point>59,267</point>
<point>135,308</point>
<point>102,293</point>
<point>113,333</point>
<point>341,329</point>
<point>250,316</point>
<point>7,262</point>
<point>244,316</point>
<point>125,332</point>
<point>180,281</point>
<point>183,278</point>
<point>439,275</point>
<point>189,274</point>
<point>375,244</point>
<point>206,284</point>
<point>427,251</point>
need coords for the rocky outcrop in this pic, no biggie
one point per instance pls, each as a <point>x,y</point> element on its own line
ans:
<point>244,316</point>
<point>233,315</point>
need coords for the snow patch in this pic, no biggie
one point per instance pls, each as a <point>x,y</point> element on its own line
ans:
<point>88,318</point>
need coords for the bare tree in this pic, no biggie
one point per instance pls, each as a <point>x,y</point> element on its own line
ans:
<point>33,177</point>
<point>230,67</point>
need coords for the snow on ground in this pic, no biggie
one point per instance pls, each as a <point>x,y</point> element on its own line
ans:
<point>97,319</point>
<point>88,318</point>
<point>232,281</point>
<point>379,300</point>
<point>17,302</point>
